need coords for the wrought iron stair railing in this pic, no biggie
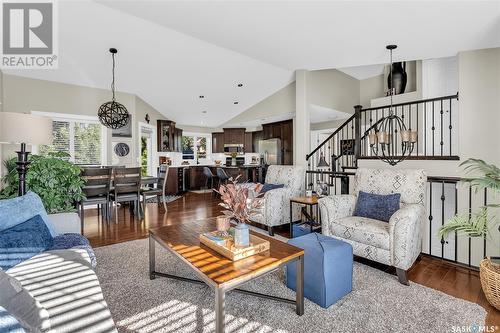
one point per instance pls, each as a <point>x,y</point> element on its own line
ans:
<point>434,119</point>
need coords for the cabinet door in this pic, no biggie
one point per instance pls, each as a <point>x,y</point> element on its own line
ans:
<point>268,131</point>
<point>256,137</point>
<point>172,181</point>
<point>248,142</point>
<point>214,143</point>
<point>287,142</point>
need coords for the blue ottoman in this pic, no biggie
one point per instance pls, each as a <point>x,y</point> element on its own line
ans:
<point>327,268</point>
<point>301,230</point>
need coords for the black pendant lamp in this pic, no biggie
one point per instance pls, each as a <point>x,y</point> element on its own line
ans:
<point>113,114</point>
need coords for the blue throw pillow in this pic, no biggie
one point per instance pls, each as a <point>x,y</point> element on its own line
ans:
<point>17,210</point>
<point>268,187</point>
<point>23,241</point>
<point>74,241</point>
<point>377,206</point>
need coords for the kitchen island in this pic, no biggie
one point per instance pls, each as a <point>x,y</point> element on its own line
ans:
<point>190,177</point>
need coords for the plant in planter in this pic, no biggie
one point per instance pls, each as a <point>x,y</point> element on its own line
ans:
<point>480,224</point>
<point>53,177</point>
<point>240,203</point>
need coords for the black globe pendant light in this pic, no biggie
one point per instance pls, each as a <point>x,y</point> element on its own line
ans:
<point>383,141</point>
<point>113,114</point>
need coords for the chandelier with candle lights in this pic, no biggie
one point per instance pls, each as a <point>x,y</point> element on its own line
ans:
<point>384,141</point>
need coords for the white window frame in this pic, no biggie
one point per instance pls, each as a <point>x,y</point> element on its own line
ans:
<point>71,119</point>
<point>195,135</point>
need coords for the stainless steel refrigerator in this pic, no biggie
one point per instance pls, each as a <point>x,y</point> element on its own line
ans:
<point>270,151</point>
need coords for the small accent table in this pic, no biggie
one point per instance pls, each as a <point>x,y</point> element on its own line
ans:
<point>307,202</point>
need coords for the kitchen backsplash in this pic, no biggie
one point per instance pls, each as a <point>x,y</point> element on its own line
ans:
<point>177,158</point>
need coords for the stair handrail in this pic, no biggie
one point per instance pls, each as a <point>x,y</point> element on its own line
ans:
<point>455,96</point>
<point>329,137</point>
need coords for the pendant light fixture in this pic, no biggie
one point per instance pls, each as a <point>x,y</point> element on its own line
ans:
<point>113,114</point>
<point>383,140</point>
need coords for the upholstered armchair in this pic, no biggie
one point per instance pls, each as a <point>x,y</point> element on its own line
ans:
<point>397,242</point>
<point>276,208</point>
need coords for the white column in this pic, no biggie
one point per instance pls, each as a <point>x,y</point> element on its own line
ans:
<point>302,136</point>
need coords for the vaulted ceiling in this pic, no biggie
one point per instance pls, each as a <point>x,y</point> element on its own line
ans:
<point>171,52</point>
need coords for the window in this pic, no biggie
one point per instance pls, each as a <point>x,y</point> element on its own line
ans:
<point>80,138</point>
<point>194,145</point>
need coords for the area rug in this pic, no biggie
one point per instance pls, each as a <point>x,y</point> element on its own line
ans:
<point>168,198</point>
<point>378,303</point>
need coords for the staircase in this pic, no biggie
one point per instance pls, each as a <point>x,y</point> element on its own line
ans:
<point>434,119</point>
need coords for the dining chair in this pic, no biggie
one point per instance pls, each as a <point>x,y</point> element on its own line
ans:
<point>96,191</point>
<point>127,188</point>
<point>160,190</point>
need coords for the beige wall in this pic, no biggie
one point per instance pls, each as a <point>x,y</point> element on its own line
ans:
<point>24,95</point>
<point>371,88</point>
<point>333,89</point>
<point>279,103</point>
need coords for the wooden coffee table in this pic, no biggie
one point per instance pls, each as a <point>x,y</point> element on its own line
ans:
<point>220,273</point>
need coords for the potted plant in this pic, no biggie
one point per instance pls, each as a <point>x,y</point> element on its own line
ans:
<point>240,202</point>
<point>53,177</point>
<point>480,224</point>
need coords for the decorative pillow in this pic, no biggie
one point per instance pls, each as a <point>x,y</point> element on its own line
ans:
<point>268,187</point>
<point>18,302</point>
<point>17,210</point>
<point>23,241</point>
<point>74,241</point>
<point>377,206</point>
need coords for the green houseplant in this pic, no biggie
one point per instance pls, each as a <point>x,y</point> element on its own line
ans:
<point>53,177</point>
<point>480,224</point>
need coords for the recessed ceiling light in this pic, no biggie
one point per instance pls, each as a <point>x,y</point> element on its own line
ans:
<point>235,102</point>
<point>240,85</point>
<point>202,96</point>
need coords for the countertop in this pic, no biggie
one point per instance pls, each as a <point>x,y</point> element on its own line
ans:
<point>244,166</point>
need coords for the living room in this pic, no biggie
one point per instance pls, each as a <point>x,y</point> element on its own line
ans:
<point>250,166</point>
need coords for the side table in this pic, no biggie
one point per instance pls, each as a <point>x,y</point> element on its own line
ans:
<point>307,202</point>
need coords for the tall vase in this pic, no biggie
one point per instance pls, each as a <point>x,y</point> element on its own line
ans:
<point>399,78</point>
<point>241,235</point>
<point>233,161</point>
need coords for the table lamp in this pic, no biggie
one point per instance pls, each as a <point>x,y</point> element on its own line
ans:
<point>24,129</point>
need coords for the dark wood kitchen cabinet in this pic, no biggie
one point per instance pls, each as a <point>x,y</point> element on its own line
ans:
<point>248,147</point>
<point>217,142</point>
<point>256,137</point>
<point>167,136</point>
<point>177,140</point>
<point>234,136</point>
<point>282,130</point>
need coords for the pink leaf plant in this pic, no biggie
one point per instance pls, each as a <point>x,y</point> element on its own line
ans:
<point>240,202</point>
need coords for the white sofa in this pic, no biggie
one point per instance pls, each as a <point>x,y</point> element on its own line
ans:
<point>66,293</point>
<point>276,208</point>
<point>397,242</point>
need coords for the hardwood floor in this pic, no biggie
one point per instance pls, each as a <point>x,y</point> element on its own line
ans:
<point>434,273</point>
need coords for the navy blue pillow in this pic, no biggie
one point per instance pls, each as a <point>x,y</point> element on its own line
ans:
<point>268,187</point>
<point>74,241</point>
<point>377,206</point>
<point>23,241</point>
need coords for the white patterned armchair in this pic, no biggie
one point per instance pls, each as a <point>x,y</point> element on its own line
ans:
<point>276,208</point>
<point>397,242</point>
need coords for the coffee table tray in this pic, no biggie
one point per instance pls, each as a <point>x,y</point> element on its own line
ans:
<point>257,245</point>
